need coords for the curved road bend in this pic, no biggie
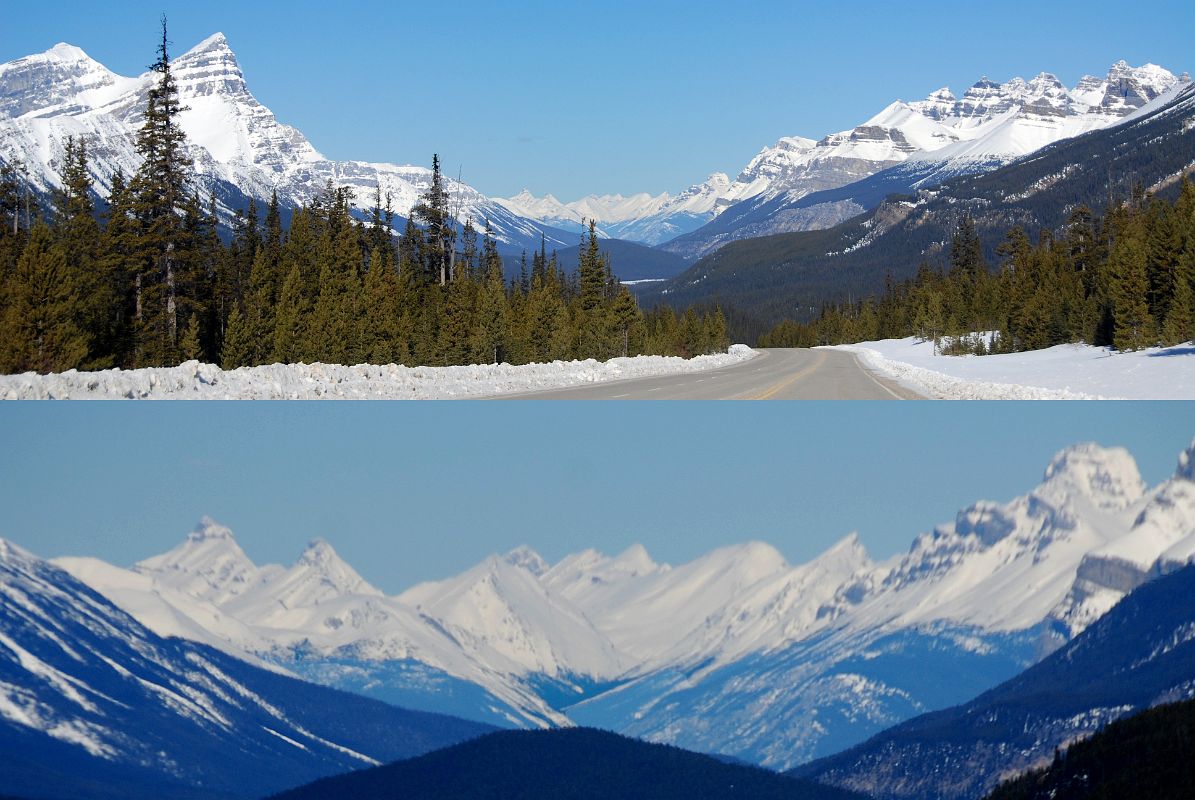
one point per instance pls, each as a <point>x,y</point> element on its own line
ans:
<point>774,374</point>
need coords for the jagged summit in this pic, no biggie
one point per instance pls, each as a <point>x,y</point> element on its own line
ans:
<point>217,41</point>
<point>317,552</point>
<point>526,558</point>
<point>208,529</point>
<point>1186,463</point>
<point>1107,476</point>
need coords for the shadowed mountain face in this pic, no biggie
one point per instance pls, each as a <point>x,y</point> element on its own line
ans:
<point>1146,755</point>
<point>1140,654</point>
<point>577,763</point>
<point>92,704</point>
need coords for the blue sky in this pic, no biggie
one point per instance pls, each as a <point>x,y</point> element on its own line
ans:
<point>617,96</point>
<point>407,492</point>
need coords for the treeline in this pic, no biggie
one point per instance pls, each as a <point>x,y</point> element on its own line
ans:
<point>1125,280</point>
<point>150,282</point>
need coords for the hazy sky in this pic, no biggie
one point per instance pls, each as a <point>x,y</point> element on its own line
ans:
<point>617,96</point>
<point>407,492</point>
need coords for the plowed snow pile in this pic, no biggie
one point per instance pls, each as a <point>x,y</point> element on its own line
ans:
<point>195,381</point>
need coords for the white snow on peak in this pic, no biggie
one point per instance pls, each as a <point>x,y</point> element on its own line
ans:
<point>503,607</point>
<point>526,558</point>
<point>208,528</point>
<point>1186,463</point>
<point>217,41</point>
<point>209,565</point>
<point>1107,476</point>
<point>67,52</point>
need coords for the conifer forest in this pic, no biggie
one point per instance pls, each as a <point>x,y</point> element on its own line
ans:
<point>1125,280</point>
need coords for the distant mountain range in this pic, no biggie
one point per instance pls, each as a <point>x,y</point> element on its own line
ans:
<point>789,275</point>
<point>933,139</point>
<point>693,654</point>
<point>92,704</point>
<point>239,148</point>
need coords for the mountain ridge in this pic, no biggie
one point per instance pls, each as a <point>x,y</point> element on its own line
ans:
<point>630,645</point>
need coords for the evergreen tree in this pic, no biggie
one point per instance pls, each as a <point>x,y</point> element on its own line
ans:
<point>625,314</point>
<point>289,317</point>
<point>238,342</point>
<point>1127,267</point>
<point>439,231</point>
<point>190,345</point>
<point>39,327</point>
<point>592,334</point>
<point>78,235</point>
<point>159,190</point>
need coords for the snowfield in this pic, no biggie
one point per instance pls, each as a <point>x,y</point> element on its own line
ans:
<point>1064,372</point>
<point>193,380</point>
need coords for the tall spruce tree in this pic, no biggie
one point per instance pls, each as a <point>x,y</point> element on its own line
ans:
<point>439,227</point>
<point>159,189</point>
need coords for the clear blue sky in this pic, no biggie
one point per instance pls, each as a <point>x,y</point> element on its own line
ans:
<point>617,96</point>
<point>417,491</point>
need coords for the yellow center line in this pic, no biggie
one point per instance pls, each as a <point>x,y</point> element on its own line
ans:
<point>771,392</point>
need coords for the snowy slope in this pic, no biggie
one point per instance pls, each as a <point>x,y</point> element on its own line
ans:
<point>93,704</point>
<point>500,604</point>
<point>240,150</point>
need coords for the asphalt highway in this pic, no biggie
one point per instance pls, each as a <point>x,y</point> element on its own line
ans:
<point>774,374</point>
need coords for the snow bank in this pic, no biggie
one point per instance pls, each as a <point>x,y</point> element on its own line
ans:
<point>195,381</point>
<point>1064,372</point>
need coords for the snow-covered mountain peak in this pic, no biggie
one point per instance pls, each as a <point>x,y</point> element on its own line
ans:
<point>634,561</point>
<point>526,558</point>
<point>10,552</point>
<point>1107,476</point>
<point>208,564</point>
<point>62,80</point>
<point>319,575</point>
<point>217,41</point>
<point>208,529</point>
<point>210,67</point>
<point>68,53</point>
<point>1186,463</point>
<point>849,548</point>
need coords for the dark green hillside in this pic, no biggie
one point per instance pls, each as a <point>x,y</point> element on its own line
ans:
<point>568,764</point>
<point>1149,755</point>
<point>630,261</point>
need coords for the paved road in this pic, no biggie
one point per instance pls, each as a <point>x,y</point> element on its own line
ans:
<point>774,374</point>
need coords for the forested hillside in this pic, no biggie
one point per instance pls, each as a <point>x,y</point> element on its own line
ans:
<point>1125,280</point>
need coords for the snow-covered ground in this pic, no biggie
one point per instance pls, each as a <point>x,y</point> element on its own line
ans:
<point>195,381</point>
<point>1065,372</point>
